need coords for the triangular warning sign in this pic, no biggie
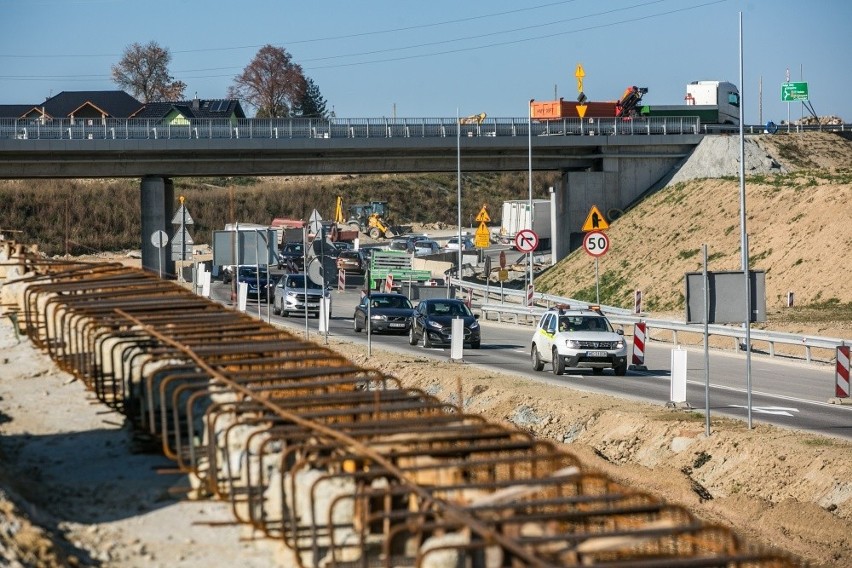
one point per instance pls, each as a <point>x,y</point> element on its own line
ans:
<point>182,217</point>
<point>483,217</point>
<point>581,110</point>
<point>595,221</point>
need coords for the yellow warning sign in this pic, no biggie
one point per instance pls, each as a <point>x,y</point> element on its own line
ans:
<point>595,221</point>
<point>482,238</point>
<point>483,217</point>
<point>581,110</point>
<point>580,72</point>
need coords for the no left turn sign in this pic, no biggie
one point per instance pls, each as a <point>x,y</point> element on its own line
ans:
<point>596,243</point>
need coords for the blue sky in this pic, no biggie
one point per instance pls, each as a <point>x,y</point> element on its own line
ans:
<point>434,58</point>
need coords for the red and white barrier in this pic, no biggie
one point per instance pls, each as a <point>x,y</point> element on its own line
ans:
<point>841,388</point>
<point>530,295</point>
<point>389,283</point>
<point>341,280</point>
<point>639,329</point>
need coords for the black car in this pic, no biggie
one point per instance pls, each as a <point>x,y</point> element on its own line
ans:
<point>292,257</point>
<point>388,312</point>
<point>433,320</point>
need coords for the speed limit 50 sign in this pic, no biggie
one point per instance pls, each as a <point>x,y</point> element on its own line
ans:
<point>596,243</point>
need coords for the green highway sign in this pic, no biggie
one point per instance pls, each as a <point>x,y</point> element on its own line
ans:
<point>792,92</point>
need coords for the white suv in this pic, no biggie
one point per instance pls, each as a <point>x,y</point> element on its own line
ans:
<point>578,339</point>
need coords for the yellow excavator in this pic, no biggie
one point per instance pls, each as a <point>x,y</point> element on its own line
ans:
<point>367,218</point>
<point>473,119</point>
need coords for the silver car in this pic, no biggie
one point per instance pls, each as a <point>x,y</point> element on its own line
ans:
<point>294,294</point>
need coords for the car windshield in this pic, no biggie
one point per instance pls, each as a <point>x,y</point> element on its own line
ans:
<point>292,248</point>
<point>298,281</point>
<point>453,309</point>
<point>583,323</point>
<point>394,302</point>
<point>251,272</point>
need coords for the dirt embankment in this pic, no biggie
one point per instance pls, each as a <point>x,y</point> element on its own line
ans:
<point>798,225</point>
<point>781,488</point>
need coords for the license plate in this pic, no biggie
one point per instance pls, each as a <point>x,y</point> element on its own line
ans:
<point>396,325</point>
<point>597,354</point>
<point>313,305</point>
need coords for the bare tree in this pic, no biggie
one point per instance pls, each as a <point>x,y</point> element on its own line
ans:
<point>144,70</point>
<point>272,83</point>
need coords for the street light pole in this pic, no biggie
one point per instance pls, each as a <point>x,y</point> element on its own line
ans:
<point>744,236</point>
<point>529,143</point>
<point>458,196</point>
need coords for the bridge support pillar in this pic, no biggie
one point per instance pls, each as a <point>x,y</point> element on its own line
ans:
<point>617,182</point>
<point>157,195</point>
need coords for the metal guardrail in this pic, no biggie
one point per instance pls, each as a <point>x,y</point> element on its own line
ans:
<point>624,317</point>
<point>306,128</point>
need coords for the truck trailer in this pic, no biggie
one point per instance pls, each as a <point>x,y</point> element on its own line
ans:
<point>713,102</point>
<point>516,217</point>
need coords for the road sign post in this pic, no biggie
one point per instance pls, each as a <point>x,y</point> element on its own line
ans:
<point>596,243</point>
<point>159,239</point>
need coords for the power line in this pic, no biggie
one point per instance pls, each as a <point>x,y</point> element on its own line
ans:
<point>312,40</point>
<point>523,40</point>
<point>489,34</point>
<point>187,74</point>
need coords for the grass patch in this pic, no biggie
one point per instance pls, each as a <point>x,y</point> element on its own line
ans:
<point>818,442</point>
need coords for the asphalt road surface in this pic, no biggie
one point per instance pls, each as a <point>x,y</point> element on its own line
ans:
<point>789,394</point>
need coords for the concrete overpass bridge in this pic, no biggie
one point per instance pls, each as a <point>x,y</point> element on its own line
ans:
<point>604,162</point>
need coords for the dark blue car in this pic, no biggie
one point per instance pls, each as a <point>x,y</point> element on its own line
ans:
<point>248,274</point>
<point>433,320</point>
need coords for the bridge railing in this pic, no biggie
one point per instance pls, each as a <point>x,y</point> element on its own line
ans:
<point>311,128</point>
<point>307,128</point>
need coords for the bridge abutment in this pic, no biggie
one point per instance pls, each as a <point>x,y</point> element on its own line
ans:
<point>157,195</point>
<point>622,176</point>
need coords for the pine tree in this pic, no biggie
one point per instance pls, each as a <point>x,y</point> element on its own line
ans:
<point>311,104</point>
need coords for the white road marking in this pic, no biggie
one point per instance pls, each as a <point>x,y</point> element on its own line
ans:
<point>777,410</point>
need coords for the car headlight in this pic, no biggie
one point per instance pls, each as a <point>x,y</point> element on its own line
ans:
<point>474,325</point>
<point>572,344</point>
<point>434,324</point>
<point>619,345</point>
<point>379,317</point>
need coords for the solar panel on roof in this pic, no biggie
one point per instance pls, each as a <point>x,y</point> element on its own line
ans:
<point>220,106</point>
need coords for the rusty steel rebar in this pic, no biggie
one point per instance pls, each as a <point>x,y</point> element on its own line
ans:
<point>344,465</point>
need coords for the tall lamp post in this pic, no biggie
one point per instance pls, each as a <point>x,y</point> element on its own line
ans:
<point>744,236</point>
<point>458,194</point>
<point>529,142</point>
